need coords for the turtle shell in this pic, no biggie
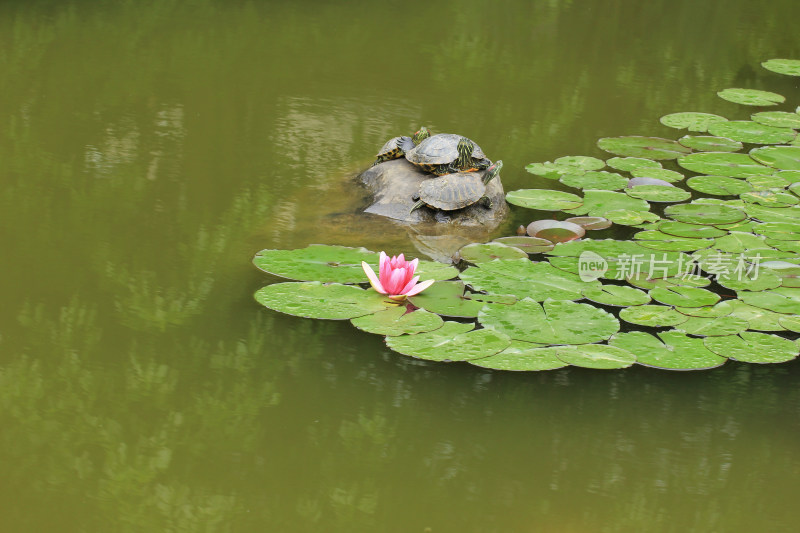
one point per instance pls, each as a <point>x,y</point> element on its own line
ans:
<point>395,144</point>
<point>441,149</point>
<point>453,191</point>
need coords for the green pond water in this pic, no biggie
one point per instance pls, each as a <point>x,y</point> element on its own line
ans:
<point>149,149</point>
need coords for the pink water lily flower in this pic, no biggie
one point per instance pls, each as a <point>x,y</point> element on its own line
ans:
<point>396,277</point>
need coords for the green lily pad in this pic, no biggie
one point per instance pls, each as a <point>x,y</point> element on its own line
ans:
<point>684,280</point>
<point>610,181</point>
<point>785,300</point>
<point>597,203</point>
<point>550,170</point>
<point>780,119</point>
<point>449,298</point>
<point>789,215</point>
<point>766,182</point>
<point>626,217</point>
<point>652,316</point>
<point>317,262</point>
<point>723,308</point>
<point>719,185</point>
<point>755,281</point>
<point>663,174</point>
<point>453,341</point>
<point>480,253</point>
<point>707,143</point>
<point>769,198</point>
<point>691,121</point>
<point>645,147</point>
<point>525,279</point>
<point>751,97</point>
<point>714,326</point>
<point>626,164</point>
<point>779,231</point>
<point>590,223</point>
<point>522,356</point>
<point>737,242</point>
<point>530,245</point>
<point>656,240</point>
<point>582,162</point>
<point>675,351</point>
<point>784,246</point>
<point>792,176</point>
<point>729,164</point>
<point>704,214</point>
<point>744,225</point>
<point>313,299</point>
<point>759,319</point>
<point>658,193</point>
<point>543,199</point>
<point>397,321</point>
<point>790,322</point>
<point>692,231</point>
<point>789,67</point>
<point>556,322</point>
<point>622,258</point>
<point>684,296</point>
<point>780,157</point>
<point>752,347</point>
<point>748,131</point>
<point>616,295</point>
<point>597,356</point>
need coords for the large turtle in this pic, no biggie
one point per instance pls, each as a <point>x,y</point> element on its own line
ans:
<point>398,146</point>
<point>456,191</point>
<point>447,153</point>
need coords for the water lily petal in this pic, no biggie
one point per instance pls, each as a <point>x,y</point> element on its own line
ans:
<point>398,297</point>
<point>384,266</point>
<point>410,285</point>
<point>412,266</point>
<point>396,281</point>
<point>420,287</point>
<point>373,279</point>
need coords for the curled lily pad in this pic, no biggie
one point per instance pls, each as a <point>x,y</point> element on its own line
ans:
<point>751,97</point>
<point>714,326</point>
<point>657,240</point>
<point>616,295</point>
<point>556,322</point>
<point>663,174</point>
<point>675,351</point>
<point>313,299</point>
<point>449,298</point>
<point>719,185</point>
<point>707,143</point>
<point>543,199</point>
<point>317,262</point>
<point>704,214</point>
<point>752,347</point>
<point>530,245</point>
<point>789,67</point>
<point>684,296</point>
<point>729,164</point>
<point>691,121</point>
<point>784,300</point>
<point>598,203</point>
<point>627,164</point>
<point>780,157</point>
<point>748,131</point>
<point>590,223</point>
<point>555,231</point>
<point>635,182</point>
<point>524,279</point>
<point>693,231</point>
<point>522,356</point>
<point>781,119</point>
<point>453,341</point>
<point>653,316</point>
<point>610,181</point>
<point>659,193</point>
<point>645,147</point>
<point>397,321</point>
<point>597,356</point>
<point>480,253</point>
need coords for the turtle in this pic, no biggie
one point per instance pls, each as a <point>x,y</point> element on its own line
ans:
<point>447,153</point>
<point>397,147</point>
<point>456,191</point>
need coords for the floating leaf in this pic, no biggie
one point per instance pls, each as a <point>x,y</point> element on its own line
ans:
<point>627,164</point>
<point>754,281</point>
<point>555,231</point>
<point>719,185</point>
<point>530,245</point>
<point>397,321</point>
<point>635,182</point>
<point>616,295</point>
<point>625,217</point>
<point>692,231</point>
<point>751,97</point>
<point>663,174</point>
<point>759,319</point>
<point>582,162</point>
<point>767,182</point>
<point>723,308</point>
<point>685,280</point>
<point>645,147</point>
<point>714,326</point>
<point>790,322</point>
<point>522,356</point>
<point>779,231</point>
<point>780,119</point>
<point>453,341</point>
<point>597,356</point>
<point>549,170</point>
<point>317,262</point>
<point>769,198</point>
<point>543,199</point>
<point>691,121</point>
<point>789,215</point>
<point>782,300</point>
<point>315,300</point>
<point>480,253</point>
<point>598,203</point>
<point>610,181</point>
<point>723,164</point>
<point>752,347</point>
<point>525,279</point>
<point>737,242</point>
<point>657,240</point>
<point>781,157</point>
<point>557,322</point>
<point>623,258</point>
<point>704,214</point>
<point>590,223</point>
<point>652,316</point>
<point>659,193</point>
<point>677,352</point>
<point>706,143</point>
<point>684,296</point>
<point>449,298</point>
<point>748,131</point>
<point>789,67</point>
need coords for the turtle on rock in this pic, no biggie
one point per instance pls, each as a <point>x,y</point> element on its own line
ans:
<point>397,147</point>
<point>456,191</point>
<point>448,153</point>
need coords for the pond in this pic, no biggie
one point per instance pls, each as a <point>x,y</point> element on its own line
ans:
<point>149,149</point>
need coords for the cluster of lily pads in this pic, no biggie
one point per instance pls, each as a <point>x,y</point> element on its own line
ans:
<point>711,273</point>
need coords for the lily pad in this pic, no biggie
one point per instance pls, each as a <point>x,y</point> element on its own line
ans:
<point>622,258</point>
<point>627,164</point>
<point>543,199</point>
<point>752,347</point>
<point>522,356</point>
<point>449,298</point>
<point>530,245</point>
<point>582,162</point>
<point>789,67</point>
<point>691,121</point>
<point>755,281</point>
<point>645,147</point>
<point>555,231</point>
<point>656,240</point>
<point>723,308</point>
<point>719,185</point>
<point>714,326</point>
<point>707,143</point>
<point>767,182</point>
<point>748,131</point>
<point>453,341</point>
<point>684,296</point>
<point>769,198</point>
<point>759,319</point>
<point>626,217</point>
<point>791,322</point>
<point>635,182</point>
<point>779,231</point>
<point>616,295</point>
<point>590,223</point>
<point>397,321</point>
<point>737,242</point>
<point>652,316</point>
<point>692,231</point>
<point>780,157</point>
<point>704,214</point>
<point>317,262</point>
<point>525,279</point>
<point>658,193</point>
<point>480,253</point>
<point>729,164</point>
<point>751,97</point>
<point>784,300</point>
<point>313,299</point>
<point>789,215</point>
<point>598,203</point>
<point>675,351</point>
<point>781,119</point>
<point>663,174</point>
<point>610,181</point>
<point>597,356</point>
<point>556,322</point>
<point>550,170</point>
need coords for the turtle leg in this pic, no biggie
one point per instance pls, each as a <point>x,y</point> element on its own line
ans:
<point>482,164</point>
<point>416,206</point>
<point>486,202</point>
<point>378,161</point>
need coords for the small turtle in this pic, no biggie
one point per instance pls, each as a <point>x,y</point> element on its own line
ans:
<point>447,153</point>
<point>456,191</point>
<point>398,146</point>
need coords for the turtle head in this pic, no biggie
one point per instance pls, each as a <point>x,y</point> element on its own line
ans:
<point>421,135</point>
<point>492,172</point>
